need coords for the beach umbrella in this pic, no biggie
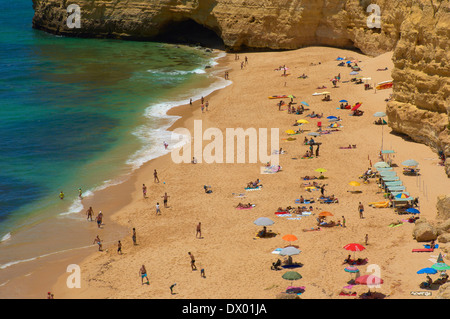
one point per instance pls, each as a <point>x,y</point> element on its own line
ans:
<point>410,162</point>
<point>339,59</point>
<point>291,275</point>
<point>402,195</point>
<point>369,280</point>
<point>351,269</point>
<point>440,266</point>
<point>290,237</point>
<point>379,114</point>
<point>331,117</point>
<point>302,121</point>
<point>290,131</point>
<point>343,101</point>
<point>440,258</point>
<point>290,251</point>
<point>428,271</point>
<point>354,247</point>
<point>413,211</point>
<point>387,152</point>
<point>356,107</point>
<point>304,103</point>
<point>291,96</point>
<point>333,120</point>
<point>324,214</point>
<point>354,183</point>
<point>325,93</point>
<point>353,73</point>
<point>314,134</point>
<point>320,170</point>
<point>381,165</point>
<point>264,221</point>
<point>348,62</point>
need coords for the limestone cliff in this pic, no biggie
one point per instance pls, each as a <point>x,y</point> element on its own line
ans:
<point>254,24</point>
<point>420,106</point>
<point>418,30</point>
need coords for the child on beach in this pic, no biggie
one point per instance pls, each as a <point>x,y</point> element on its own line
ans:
<point>158,210</point>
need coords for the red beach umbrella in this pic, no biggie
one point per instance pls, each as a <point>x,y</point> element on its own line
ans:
<point>369,280</point>
<point>354,247</point>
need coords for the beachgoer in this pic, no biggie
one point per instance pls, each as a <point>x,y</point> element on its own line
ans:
<point>98,241</point>
<point>199,230</point>
<point>190,102</point>
<point>80,193</point>
<point>192,261</point>
<point>165,197</point>
<point>90,213</point>
<point>202,273</point>
<point>366,238</point>
<point>361,210</point>
<point>99,219</point>
<point>206,106</point>
<point>171,288</point>
<point>165,145</point>
<point>50,295</point>
<point>155,176</point>
<point>144,190</point>
<point>119,247</point>
<point>317,151</point>
<point>158,210</point>
<point>61,195</point>
<point>322,189</point>
<point>134,236</point>
<point>194,160</point>
<point>343,221</point>
<point>143,274</point>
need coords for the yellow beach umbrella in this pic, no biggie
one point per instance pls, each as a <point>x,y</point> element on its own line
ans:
<point>302,121</point>
<point>290,131</point>
<point>354,183</point>
<point>321,170</point>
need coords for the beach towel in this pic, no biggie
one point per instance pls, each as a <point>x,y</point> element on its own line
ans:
<point>429,247</point>
<point>294,218</point>
<point>392,226</point>
<point>253,189</point>
<point>422,250</point>
<point>246,207</point>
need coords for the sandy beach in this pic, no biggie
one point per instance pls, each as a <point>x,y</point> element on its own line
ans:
<point>236,263</point>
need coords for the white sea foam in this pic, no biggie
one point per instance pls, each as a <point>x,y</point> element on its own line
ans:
<point>153,138</point>
<point>6,237</point>
<point>178,72</point>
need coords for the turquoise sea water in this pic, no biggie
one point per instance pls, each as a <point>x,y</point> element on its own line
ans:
<point>78,113</point>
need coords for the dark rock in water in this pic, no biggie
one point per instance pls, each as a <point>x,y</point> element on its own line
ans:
<point>207,67</point>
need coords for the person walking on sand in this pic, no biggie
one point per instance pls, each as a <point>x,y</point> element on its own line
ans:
<point>158,210</point>
<point>366,239</point>
<point>361,210</point>
<point>98,241</point>
<point>99,219</point>
<point>206,106</point>
<point>343,221</point>
<point>199,230</point>
<point>192,261</point>
<point>143,274</point>
<point>134,236</point>
<point>119,248</point>
<point>155,176</point>
<point>144,190</point>
<point>317,151</point>
<point>165,197</point>
<point>90,213</point>
<point>322,189</point>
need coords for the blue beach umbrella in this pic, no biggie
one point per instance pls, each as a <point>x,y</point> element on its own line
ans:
<point>339,59</point>
<point>353,73</point>
<point>332,117</point>
<point>348,62</point>
<point>413,211</point>
<point>428,270</point>
<point>343,101</point>
<point>304,103</point>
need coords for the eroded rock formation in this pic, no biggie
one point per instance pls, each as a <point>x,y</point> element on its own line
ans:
<point>418,30</point>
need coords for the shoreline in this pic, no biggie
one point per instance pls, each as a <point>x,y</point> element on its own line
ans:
<point>120,191</point>
<point>228,249</point>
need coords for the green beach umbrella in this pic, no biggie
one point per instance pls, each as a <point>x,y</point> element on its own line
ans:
<point>381,164</point>
<point>291,275</point>
<point>440,266</point>
<point>410,162</point>
<point>379,114</point>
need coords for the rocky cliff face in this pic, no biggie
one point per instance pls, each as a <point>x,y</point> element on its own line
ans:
<point>418,30</point>
<point>420,106</point>
<point>249,24</point>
